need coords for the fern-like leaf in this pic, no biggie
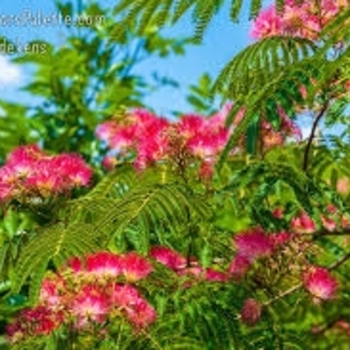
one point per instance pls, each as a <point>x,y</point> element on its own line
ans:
<point>139,14</point>
<point>54,244</point>
<point>263,177</point>
<point>151,205</point>
<point>254,66</point>
<point>282,89</point>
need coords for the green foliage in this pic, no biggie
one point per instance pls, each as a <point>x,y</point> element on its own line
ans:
<point>86,81</point>
<point>83,82</point>
<point>54,244</point>
<point>272,179</point>
<point>200,95</point>
<point>15,129</point>
<point>261,62</point>
<point>142,13</point>
<point>269,73</point>
<point>135,208</point>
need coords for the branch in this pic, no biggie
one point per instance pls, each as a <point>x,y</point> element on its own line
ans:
<point>323,232</point>
<point>283,294</point>
<point>312,135</point>
<point>298,286</point>
<point>133,58</point>
<point>340,262</point>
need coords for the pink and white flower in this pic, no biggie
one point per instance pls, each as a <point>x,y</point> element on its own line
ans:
<point>320,283</point>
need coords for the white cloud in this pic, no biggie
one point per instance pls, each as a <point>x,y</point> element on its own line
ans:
<point>10,74</point>
<point>305,132</point>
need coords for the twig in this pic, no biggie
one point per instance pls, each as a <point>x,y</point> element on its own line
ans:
<point>312,135</point>
<point>283,294</point>
<point>341,261</point>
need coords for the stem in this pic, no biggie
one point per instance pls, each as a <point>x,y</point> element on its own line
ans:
<point>323,232</point>
<point>312,135</point>
<point>341,261</point>
<point>283,294</point>
<point>120,332</point>
<point>190,250</point>
<point>134,58</point>
<point>152,339</point>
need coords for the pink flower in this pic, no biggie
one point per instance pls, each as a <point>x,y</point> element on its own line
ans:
<point>76,265</point>
<point>150,150</point>
<point>152,139</point>
<point>279,239</point>
<point>218,120</point>
<point>105,130</point>
<point>21,169</point>
<point>204,138</point>
<point>216,276</point>
<point>109,163</point>
<point>303,20</point>
<point>123,137</point>
<point>208,144</point>
<point>343,186</point>
<point>29,172</point>
<point>168,257</point>
<point>268,23</point>
<point>303,224</point>
<point>328,223</point>
<point>272,139</point>
<point>141,313</point>
<point>50,293</point>
<point>288,127</point>
<point>124,295</point>
<point>206,170</point>
<point>104,265</point>
<point>189,125</point>
<point>253,244</point>
<point>32,322</point>
<point>26,153</point>
<point>319,282</point>
<point>91,304</point>
<point>136,309</point>
<point>72,169</point>
<point>251,312</point>
<point>44,183</point>
<point>8,175</point>
<point>292,19</point>
<point>84,293</point>
<point>135,267</point>
<point>6,193</point>
<point>193,271</point>
<point>278,213</point>
<point>239,267</point>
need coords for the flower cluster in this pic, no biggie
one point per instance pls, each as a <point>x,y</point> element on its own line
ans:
<point>271,137</point>
<point>255,244</point>
<point>302,20</point>
<point>87,294</point>
<point>191,138</point>
<point>180,264</point>
<point>154,139</point>
<point>252,245</point>
<point>304,224</point>
<point>31,173</point>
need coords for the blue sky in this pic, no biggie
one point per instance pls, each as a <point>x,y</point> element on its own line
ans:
<point>221,42</point>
